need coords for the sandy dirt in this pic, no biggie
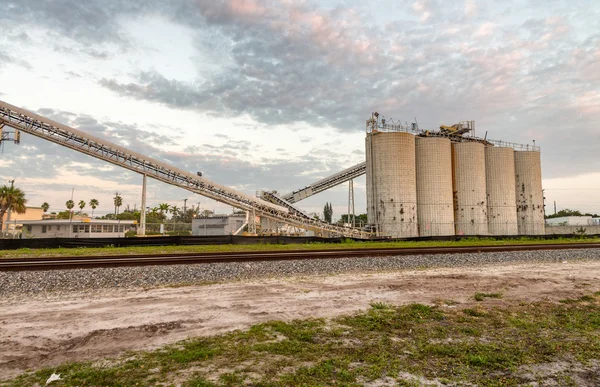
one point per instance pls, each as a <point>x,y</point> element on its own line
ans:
<point>47,331</point>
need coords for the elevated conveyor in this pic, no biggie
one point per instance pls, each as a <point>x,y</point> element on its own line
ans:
<point>326,183</point>
<point>80,141</point>
<point>272,197</point>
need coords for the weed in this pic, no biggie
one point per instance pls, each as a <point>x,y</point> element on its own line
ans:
<point>380,305</point>
<point>474,313</point>
<point>481,296</point>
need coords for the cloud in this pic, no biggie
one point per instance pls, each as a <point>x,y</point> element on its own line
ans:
<point>521,74</point>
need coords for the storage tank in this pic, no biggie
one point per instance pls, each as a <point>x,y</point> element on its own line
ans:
<point>500,186</point>
<point>435,212</point>
<point>529,196</point>
<point>369,174</point>
<point>468,180</point>
<point>392,183</point>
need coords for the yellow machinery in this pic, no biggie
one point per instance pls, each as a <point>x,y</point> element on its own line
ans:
<point>458,129</point>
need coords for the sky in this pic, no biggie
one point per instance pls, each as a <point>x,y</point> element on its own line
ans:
<point>274,94</point>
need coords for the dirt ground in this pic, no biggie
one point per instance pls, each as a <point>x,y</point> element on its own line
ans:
<point>46,331</point>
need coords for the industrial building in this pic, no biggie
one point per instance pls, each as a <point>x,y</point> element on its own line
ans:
<point>449,182</point>
<point>419,182</point>
<point>218,224</point>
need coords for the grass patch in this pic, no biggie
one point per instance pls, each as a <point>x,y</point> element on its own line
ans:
<point>482,296</point>
<point>483,346</point>
<point>348,244</point>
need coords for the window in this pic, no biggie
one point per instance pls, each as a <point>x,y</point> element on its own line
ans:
<point>96,228</point>
<point>75,229</point>
<point>121,228</point>
<point>44,229</point>
<point>58,228</point>
<point>29,228</point>
<point>49,227</point>
<point>87,228</point>
<point>81,228</point>
<point>107,228</point>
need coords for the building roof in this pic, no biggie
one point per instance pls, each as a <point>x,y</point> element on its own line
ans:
<point>78,221</point>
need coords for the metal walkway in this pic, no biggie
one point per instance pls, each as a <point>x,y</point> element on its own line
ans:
<point>47,129</point>
<point>326,183</point>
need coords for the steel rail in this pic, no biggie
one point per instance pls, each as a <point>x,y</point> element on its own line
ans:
<point>80,141</point>
<point>55,263</point>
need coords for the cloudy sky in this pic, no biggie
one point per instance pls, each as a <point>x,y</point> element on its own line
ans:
<point>274,94</point>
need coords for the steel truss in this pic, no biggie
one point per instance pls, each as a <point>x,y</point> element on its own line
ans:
<point>47,129</point>
<point>272,197</point>
<point>326,183</point>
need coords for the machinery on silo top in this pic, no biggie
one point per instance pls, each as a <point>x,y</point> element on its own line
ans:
<point>458,129</point>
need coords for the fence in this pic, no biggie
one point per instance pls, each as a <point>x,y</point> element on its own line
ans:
<point>12,244</point>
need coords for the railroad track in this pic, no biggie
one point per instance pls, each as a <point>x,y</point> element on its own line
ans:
<point>56,263</point>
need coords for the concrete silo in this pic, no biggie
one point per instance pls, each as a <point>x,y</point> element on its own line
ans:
<point>435,212</point>
<point>529,196</point>
<point>391,183</point>
<point>500,183</point>
<point>468,180</point>
<point>369,174</point>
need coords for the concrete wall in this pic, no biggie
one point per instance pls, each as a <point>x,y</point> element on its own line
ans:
<point>571,229</point>
<point>217,225</point>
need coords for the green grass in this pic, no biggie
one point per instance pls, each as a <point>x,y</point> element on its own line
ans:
<point>485,346</point>
<point>349,244</point>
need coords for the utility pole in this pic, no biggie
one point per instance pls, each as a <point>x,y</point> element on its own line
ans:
<point>555,207</point>
<point>142,228</point>
<point>184,205</point>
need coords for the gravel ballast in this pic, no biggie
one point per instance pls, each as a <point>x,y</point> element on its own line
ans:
<point>78,280</point>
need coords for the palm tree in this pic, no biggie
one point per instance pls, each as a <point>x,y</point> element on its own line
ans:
<point>118,201</point>
<point>174,211</point>
<point>164,208</point>
<point>45,207</point>
<point>81,205</point>
<point>12,199</point>
<point>94,203</point>
<point>70,204</point>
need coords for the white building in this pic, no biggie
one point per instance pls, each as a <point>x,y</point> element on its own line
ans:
<point>573,221</point>
<point>81,228</point>
<point>218,224</point>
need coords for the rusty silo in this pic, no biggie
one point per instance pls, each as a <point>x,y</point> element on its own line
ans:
<point>468,180</point>
<point>391,183</point>
<point>529,196</point>
<point>500,183</point>
<point>435,212</point>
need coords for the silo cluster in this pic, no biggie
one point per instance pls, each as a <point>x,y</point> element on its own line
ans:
<point>432,186</point>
